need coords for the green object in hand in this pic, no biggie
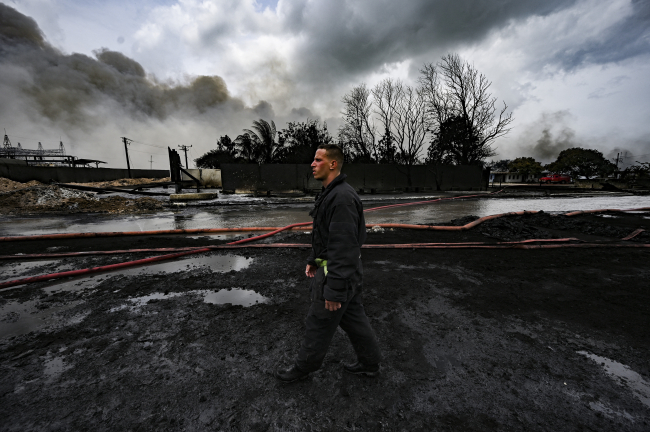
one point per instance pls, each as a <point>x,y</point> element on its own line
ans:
<point>322,263</point>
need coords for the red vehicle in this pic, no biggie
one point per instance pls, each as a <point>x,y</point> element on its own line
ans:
<point>556,178</point>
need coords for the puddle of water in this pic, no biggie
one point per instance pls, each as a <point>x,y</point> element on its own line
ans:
<point>213,262</point>
<point>216,263</point>
<point>141,301</point>
<point>624,376</point>
<point>235,296</point>
<point>20,318</point>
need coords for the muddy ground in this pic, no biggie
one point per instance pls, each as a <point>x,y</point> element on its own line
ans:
<point>484,340</point>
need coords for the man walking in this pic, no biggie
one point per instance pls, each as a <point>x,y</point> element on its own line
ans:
<point>337,275</point>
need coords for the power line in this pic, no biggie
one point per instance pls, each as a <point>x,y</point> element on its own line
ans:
<point>147,144</point>
<point>146,152</point>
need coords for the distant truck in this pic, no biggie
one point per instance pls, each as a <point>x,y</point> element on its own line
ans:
<point>556,178</point>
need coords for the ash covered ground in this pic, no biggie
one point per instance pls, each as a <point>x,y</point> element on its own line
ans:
<point>486,340</point>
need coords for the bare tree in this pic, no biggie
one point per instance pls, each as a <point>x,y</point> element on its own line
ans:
<point>411,125</point>
<point>357,135</point>
<point>402,110</point>
<point>465,116</point>
<point>387,95</point>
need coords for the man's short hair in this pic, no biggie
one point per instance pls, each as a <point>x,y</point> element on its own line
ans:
<point>333,151</point>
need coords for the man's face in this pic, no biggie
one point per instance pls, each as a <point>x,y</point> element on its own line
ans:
<point>320,167</point>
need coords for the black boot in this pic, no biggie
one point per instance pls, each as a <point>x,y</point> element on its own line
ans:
<point>291,374</point>
<point>359,368</point>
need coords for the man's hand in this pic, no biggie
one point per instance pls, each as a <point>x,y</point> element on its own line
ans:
<point>310,271</point>
<point>332,306</point>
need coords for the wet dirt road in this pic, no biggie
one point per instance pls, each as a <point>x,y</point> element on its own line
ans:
<point>472,339</point>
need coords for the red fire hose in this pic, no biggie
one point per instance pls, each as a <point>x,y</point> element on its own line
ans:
<point>134,263</point>
<point>397,246</point>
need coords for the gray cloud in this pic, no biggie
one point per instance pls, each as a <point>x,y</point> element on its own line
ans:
<point>346,37</point>
<point>623,40</point>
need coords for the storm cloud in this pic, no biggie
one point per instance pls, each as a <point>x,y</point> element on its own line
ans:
<point>188,71</point>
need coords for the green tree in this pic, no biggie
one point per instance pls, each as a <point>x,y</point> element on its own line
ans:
<point>300,140</point>
<point>582,162</point>
<point>387,149</point>
<point>455,143</point>
<point>637,171</point>
<point>214,158</point>
<point>500,165</point>
<point>224,143</point>
<point>526,166</point>
<point>226,152</point>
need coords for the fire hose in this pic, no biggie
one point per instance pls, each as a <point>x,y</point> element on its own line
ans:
<point>238,243</point>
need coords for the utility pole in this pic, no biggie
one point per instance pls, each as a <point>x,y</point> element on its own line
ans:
<point>126,142</point>
<point>150,161</point>
<point>185,149</point>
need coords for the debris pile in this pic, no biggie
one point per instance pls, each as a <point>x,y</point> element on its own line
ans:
<point>125,182</point>
<point>39,198</point>
<point>7,185</point>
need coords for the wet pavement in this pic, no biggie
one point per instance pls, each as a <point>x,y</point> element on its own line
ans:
<point>272,215</point>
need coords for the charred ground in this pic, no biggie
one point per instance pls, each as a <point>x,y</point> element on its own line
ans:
<point>473,339</point>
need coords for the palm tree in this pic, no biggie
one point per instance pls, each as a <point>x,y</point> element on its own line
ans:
<point>246,148</point>
<point>263,137</point>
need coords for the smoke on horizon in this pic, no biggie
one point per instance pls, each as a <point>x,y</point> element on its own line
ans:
<point>91,102</point>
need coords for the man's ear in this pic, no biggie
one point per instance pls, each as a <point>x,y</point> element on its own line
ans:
<point>333,164</point>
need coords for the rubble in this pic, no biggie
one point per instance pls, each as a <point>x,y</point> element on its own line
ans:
<point>34,197</point>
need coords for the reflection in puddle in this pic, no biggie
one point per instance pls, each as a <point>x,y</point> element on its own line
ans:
<point>235,296</point>
<point>625,376</point>
<point>213,262</point>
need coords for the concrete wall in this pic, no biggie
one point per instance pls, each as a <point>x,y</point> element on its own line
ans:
<point>23,173</point>
<point>209,177</point>
<point>243,178</point>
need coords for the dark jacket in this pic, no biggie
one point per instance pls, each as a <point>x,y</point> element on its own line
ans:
<point>338,233</point>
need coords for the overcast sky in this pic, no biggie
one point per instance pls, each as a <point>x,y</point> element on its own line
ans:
<point>574,73</point>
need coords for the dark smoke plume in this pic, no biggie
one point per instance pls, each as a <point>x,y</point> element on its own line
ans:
<point>549,136</point>
<point>64,87</point>
<point>82,98</point>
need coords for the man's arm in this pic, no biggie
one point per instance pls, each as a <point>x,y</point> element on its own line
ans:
<point>343,251</point>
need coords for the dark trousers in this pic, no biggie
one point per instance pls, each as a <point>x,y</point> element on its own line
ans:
<point>321,325</point>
